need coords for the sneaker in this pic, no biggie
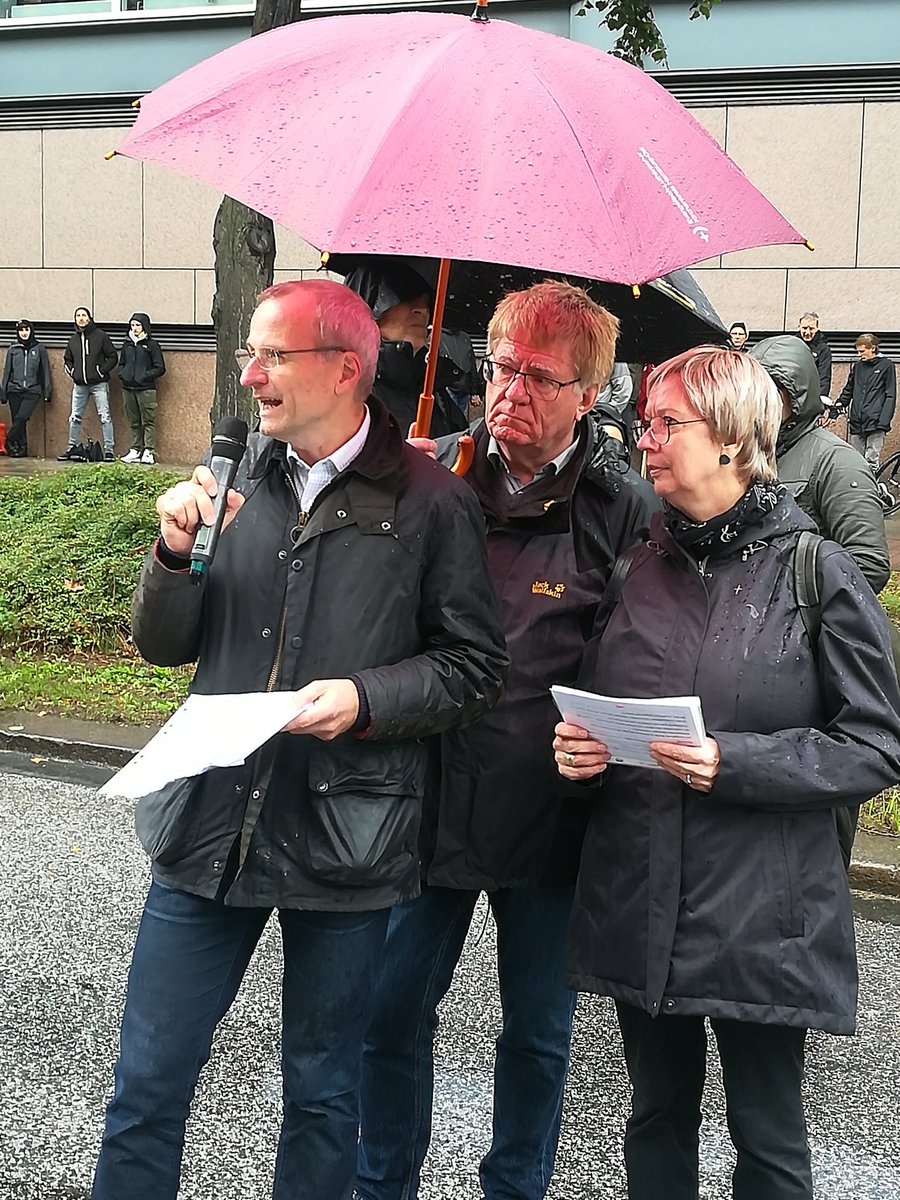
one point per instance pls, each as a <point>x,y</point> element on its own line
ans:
<point>133,456</point>
<point>885,496</point>
<point>68,455</point>
<point>109,456</point>
<point>147,458</point>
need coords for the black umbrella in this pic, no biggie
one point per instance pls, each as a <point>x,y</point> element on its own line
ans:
<point>669,315</point>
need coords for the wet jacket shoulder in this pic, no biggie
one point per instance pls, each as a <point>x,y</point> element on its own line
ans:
<point>830,481</point>
<point>398,385</point>
<point>505,818</point>
<point>735,904</point>
<point>386,582</point>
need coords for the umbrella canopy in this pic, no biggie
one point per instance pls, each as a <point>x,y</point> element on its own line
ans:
<point>670,314</point>
<point>432,134</point>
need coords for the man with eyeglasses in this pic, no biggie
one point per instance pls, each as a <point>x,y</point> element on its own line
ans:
<point>560,506</point>
<point>353,572</point>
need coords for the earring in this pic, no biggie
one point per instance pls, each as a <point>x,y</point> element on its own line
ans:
<point>724,460</point>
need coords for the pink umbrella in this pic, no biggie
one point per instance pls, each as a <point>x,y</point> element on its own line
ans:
<point>432,134</point>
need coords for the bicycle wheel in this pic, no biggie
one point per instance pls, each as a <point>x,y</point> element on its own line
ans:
<point>888,479</point>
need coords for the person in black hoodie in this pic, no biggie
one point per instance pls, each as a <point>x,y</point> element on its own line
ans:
<point>141,363</point>
<point>870,394</point>
<point>400,301</point>
<point>26,378</point>
<point>89,357</point>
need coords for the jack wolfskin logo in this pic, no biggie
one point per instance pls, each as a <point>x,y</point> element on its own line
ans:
<point>541,587</point>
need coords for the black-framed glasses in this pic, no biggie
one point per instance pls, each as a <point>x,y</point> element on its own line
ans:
<point>660,428</point>
<point>538,387</point>
<point>269,358</point>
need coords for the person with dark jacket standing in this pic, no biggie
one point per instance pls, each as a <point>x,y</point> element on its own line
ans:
<point>89,358</point>
<point>141,363</point>
<point>352,571</point>
<point>26,380</point>
<point>400,301</point>
<point>560,505</point>
<point>809,331</point>
<point>830,480</point>
<point>870,394</point>
<point>713,888</point>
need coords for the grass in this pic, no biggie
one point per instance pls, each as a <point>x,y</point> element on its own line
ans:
<point>117,688</point>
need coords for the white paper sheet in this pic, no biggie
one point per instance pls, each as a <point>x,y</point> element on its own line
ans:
<point>205,732</point>
<point>627,727</point>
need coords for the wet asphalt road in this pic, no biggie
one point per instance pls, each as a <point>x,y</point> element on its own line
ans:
<point>72,880</point>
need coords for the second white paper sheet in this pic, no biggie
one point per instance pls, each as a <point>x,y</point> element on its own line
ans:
<point>628,726</point>
<point>205,732</point>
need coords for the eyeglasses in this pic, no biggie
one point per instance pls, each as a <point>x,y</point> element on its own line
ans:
<point>538,387</point>
<point>660,428</point>
<point>269,358</point>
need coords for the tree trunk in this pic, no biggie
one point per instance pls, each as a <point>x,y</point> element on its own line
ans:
<point>244,246</point>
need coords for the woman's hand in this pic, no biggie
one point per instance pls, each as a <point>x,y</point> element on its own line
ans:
<point>577,755</point>
<point>697,766</point>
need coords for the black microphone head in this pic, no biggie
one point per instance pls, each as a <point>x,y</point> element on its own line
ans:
<point>229,438</point>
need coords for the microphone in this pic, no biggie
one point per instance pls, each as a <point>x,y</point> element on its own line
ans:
<point>228,445</point>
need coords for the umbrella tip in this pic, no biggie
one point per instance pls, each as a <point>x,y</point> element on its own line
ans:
<point>808,244</point>
<point>323,259</point>
<point>136,103</point>
<point>112,154</point>
<point>635,291</point>
<point>481,11</point>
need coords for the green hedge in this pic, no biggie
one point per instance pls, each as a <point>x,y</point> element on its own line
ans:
<point>71,547</point>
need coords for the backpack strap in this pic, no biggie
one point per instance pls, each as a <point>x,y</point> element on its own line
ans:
<point>612,593</point>
<point>806,584</point>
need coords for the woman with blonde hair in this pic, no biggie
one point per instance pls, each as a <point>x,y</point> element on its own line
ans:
<point>713,888</point>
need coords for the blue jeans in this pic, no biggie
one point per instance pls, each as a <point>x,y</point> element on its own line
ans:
<point>81,393</point>
<point>424,942</point>
<point>189,960</point>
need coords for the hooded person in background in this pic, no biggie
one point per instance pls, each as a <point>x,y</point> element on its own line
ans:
<point>831,482</point>
<point>738,335</point>
<point>401,301</point>
<point>26,378</point>
<point>141,363</point>
<point>89,358</point>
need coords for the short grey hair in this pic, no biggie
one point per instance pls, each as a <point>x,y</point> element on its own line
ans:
<point>803,316</point>
<point>736,397</point>
<point>344,320</point>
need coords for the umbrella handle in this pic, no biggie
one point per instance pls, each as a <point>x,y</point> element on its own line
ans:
<point>426,400</point>
<point>466,452</point>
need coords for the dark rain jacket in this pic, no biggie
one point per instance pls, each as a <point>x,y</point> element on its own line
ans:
<point>89,355</point>
<point>831,481</point>
<point>735,904</point>
<point>871,395</point>
<point>26,369</point>
<point>506,818</point>
<point>387,582</point>
<point>141,363</point>
<point>821,352</point>
<point>399,381</point>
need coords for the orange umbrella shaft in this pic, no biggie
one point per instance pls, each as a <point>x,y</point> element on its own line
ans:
<point>426,400</point>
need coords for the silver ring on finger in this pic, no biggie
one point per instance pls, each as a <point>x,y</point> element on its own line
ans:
<point>688,779</point>
<point>570,759</point>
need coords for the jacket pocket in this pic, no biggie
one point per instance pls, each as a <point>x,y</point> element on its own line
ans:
<point>790,888</point>
<point>163,821</point>
<point>361,838</point>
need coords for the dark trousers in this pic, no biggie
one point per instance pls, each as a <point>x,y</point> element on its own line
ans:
<point>424,942</point>
<point>189,960</point>
<point>21,406</point>
<point>762,1070</point>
